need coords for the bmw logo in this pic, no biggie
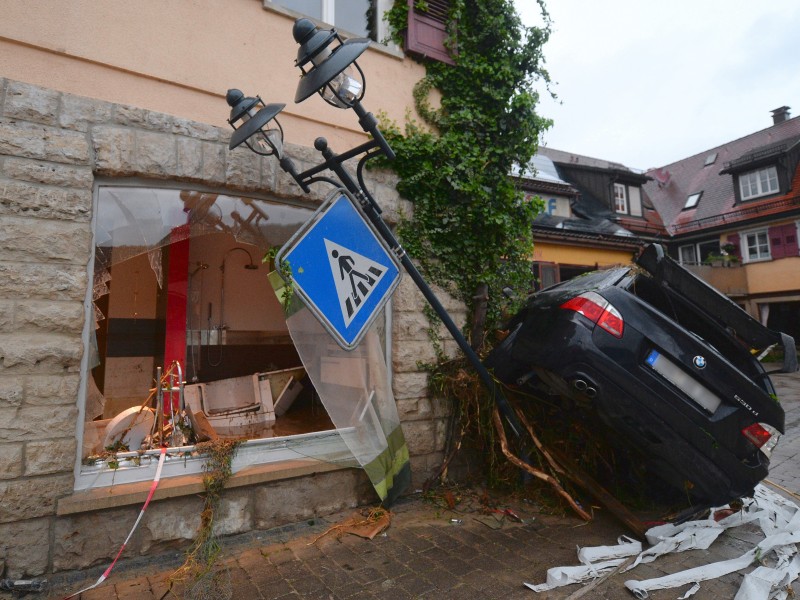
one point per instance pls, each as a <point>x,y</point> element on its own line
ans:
<point>699,362</point>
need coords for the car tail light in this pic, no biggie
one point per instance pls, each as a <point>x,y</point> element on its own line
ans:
<point>598,310</point>
<point>762,435</point>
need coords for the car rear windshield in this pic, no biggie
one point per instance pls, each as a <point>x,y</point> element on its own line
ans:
<point>687,315</point>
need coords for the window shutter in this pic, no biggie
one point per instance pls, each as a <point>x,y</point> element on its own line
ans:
<point>783,240</point>
<point>734,240</point>
<point>776,246</point>
<point>427,30</point>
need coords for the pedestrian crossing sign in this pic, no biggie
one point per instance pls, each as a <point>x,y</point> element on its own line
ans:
<point>341,268</point>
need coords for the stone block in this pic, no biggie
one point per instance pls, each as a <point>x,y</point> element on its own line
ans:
<point>25,548</point>
<point>131,116</point>
<point>169,522</point>
<point>35,353</point>
<point>11,392</point>
<point>23,499</point>
<point>11,461</point>
<point>195,130</point>
<point>243,169</point>
<point>78,112</point>
<point>37,423</point>
<point>48,173</point>
<point>410,385</point>
<point>159,121</point>
<point>58,317</point>
<point>50,456</point>
<point>420,436</point>
<point>213,169</point>
<point>156,155</point>
<point>87,539</point>
<point>414,409</point>
<point>7,309</point>
<point>410,326</point>
<point>51,390</point>
<point>235,513</point>
<point>43,281</point>
<point>35,240</point>
<point>189,158</point>
<point>407,356</point>
<point>28,102</point>
<point>18,198</point>
<point>28,140</point>
<point>114,151</point>
<point>293,500</point>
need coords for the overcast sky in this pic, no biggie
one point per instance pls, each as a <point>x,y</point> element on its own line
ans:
<point>648,83</point>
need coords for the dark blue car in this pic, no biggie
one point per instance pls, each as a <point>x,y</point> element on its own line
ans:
<point>664,360</point>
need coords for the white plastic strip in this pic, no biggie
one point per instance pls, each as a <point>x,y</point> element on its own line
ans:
<point>561,576</point>
<point>778,518</point>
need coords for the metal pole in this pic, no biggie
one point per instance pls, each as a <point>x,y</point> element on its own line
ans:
<point>372,213</point>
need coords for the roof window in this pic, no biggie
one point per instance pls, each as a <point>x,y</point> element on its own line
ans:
<point>692,200</point>
<point>711,159</point>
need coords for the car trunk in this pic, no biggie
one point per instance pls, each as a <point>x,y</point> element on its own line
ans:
<point>697,302</point>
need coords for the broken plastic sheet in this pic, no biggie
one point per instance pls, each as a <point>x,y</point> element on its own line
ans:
<point>355,390</point>
<point>595,560</point>
<point>777,517</point>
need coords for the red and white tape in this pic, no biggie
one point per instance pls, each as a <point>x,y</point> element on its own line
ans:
<point>153,487</point>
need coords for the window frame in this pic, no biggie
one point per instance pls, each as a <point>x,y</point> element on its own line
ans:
<point>754,179</point>
<point>694,260</point>
<point>623,197</point>
<point>744,245</point>
<point>134,467</point>
<point>692,200</point>
<point>328,16</point>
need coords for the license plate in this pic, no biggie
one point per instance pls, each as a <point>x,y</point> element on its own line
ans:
<point>695,390</point>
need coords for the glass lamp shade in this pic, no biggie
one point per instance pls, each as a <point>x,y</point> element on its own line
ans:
<point>329,74</point>
<point>252,115</point>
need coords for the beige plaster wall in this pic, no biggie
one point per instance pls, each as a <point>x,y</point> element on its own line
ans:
<point>773,276</point>
<point>181,57</point>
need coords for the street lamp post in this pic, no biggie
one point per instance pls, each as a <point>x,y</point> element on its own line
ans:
<point>329,68</point>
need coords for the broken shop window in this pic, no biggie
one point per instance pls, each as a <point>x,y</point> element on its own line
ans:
<point>188,341</point>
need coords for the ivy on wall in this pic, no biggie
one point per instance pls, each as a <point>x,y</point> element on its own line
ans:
<point>472,228</point>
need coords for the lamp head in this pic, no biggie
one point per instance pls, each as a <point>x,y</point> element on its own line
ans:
<point>329,65</point>
<point>249,116</point>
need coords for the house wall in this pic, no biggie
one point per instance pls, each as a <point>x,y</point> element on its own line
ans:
<point>54,147</point>
<point>180,58</point>
<point>577,255</point>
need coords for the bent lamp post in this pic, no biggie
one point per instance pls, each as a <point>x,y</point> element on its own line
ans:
<point>329,68</point>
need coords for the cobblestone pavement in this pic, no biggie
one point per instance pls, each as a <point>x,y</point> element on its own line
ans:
<point>424,554</point>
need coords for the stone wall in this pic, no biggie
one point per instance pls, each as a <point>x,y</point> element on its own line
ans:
<point>53,147</point>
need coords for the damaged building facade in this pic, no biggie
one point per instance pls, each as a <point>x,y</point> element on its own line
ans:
<point>136,244</point>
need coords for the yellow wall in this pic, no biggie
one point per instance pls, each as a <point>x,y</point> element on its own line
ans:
<point>773,276</point>
<point>181,57</point>
<point>576,255</point>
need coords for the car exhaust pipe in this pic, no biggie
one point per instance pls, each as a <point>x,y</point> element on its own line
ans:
<point>585,387</point>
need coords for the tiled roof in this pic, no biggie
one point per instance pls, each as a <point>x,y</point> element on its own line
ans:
<point>559,156</point>
<point>675,182</point>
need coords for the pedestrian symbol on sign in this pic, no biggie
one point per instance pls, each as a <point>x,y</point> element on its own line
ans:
<point>341,268</point>
<point>355,277</point>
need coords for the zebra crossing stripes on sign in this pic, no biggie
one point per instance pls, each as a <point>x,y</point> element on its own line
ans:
<point>355,277</point>
<point>341,269</point>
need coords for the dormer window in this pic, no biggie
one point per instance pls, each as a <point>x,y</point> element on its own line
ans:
<point>627,200</point>
<point>760,182</point>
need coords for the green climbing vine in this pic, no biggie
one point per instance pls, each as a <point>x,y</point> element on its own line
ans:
<point>471,227</point>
